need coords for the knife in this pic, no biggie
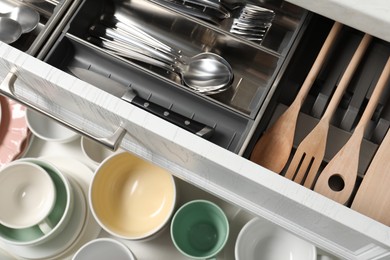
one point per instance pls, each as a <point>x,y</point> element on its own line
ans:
<point>128,94</point>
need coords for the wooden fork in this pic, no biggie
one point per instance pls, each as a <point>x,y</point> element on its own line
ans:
<point>274,147</point>
<point>310,152</point>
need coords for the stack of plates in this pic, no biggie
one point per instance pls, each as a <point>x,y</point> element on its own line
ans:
<point>15,136</point>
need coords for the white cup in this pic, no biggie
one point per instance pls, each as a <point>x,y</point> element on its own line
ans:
<point>59,216</point>
<point>103,249</point>
<point>27,196</point>
<point>261,239</point>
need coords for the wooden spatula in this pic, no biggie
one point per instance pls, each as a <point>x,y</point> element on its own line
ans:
<point>310,152</point>
<point>343,167</point>
<point>274,147</point>
<point>373,196</point>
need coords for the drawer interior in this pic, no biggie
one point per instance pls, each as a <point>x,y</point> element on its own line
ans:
<point>50,12</point>
<point>231,112</point>
<point>353,102</point>
<point>255,67</point>
<point>229,127</point>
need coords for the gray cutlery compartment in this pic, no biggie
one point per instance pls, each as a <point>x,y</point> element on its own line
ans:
<point>232,112</point>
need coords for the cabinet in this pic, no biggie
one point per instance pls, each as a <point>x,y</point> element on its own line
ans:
<point>212,167</point>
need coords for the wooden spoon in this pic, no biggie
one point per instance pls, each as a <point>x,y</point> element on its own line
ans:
<point>373,196</point>
<point>310,152</point>
<point>274,147</point>
<point>338,178</point>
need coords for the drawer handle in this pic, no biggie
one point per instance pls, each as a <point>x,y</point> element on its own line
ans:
<point>112,142</point>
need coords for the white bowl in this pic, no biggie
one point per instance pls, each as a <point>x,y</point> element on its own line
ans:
<point>260,239</point>
<point>48,129</point>
<point>94,151</point>
<point>102,249</point>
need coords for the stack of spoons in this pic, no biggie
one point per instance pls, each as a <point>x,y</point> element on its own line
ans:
<point>206,73</point>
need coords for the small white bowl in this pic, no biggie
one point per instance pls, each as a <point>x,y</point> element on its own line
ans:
<point>261,239</point>
<point>94,151</point>
<point>48,129</point>
<point>102,249</point>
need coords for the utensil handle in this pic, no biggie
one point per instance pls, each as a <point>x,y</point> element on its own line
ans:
<point>374,99</point>
<point>317,65</point>
<point>347,76</point>
<point>112,142</point>
<point>186,123</point>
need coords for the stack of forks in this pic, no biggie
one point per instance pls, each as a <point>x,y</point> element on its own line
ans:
<point>252,22</point>
<point>246,20</point>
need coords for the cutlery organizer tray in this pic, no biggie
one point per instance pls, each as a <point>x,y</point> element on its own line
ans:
<point>51,12</point>
<point>231,113</point>
<point>352,104</point>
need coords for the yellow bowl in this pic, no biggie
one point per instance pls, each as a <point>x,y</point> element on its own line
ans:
<point>131,198</point>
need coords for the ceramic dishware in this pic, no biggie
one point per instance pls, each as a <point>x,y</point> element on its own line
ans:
<point>200,229</point>
<point>27,196</point>
<point>131,198</point>
<point>102,249</point>
<point>58,217</point>
<point>48,129</point>
<point>260,239</point>
<point>94,151</point>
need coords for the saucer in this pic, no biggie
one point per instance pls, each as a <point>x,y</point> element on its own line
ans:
<point>13,131</point>
<point>67,237</point>
<point>83,176</point>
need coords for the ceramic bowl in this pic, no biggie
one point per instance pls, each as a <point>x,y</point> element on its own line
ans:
<point>131,198</point>
<point>59,216</point>
<point>94,151</point>
<point>27,195</point>
<point>48,129</point>
<point>102,249</point>
<point>260,239</point>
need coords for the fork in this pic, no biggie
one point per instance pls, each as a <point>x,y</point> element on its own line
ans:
<point>308,157</point>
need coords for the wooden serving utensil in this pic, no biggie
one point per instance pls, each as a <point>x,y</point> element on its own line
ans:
<point>373,196</point>
<point>338,178</point>
<point>308,157</point>
<point>273,149</point>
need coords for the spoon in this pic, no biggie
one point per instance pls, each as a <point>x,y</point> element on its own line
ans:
<point>10,30</point>
<point>206,72</point>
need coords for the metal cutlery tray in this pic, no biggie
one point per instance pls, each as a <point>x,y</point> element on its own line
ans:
<point>257,67</point>
<point>353,101</point>
<point>51,12</point>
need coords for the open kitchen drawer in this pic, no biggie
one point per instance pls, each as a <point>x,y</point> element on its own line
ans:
<point>212,165</point>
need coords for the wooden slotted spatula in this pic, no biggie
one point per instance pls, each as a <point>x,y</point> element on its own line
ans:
<point>338,178</point>
<point>308,157</point>
<point>274,147</point>
<point>373,196</point>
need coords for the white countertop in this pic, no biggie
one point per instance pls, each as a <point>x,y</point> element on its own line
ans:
<point>370,16</point>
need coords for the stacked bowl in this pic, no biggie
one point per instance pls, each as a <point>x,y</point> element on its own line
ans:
<point>38,206</point>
